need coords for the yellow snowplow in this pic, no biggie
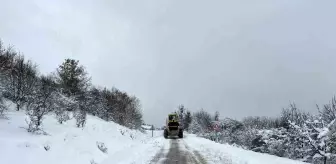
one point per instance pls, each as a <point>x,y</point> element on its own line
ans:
<point>173,127</point>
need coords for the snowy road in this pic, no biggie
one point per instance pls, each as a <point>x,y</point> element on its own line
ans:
<point>177,153</point>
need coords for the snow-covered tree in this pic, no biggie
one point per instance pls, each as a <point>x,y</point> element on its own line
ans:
<point>293,114</point>
<point>216,116</point>
<point>74,83</point>
<point>315,137</point>
<point>133,113</point>
<point>230,129</point>
<point>3,107</point>
<point>72,77</point>
<point>201,122</point>
<point>195,126</point>
<point>21,81</point>
<point>122,108</point>
<point>97,102</point>
<point>187,120</point>
<point>83,106</point>
<point>328,112</point>
<point>7,62</point>
<point>40,103</point>
<point>181,111</point>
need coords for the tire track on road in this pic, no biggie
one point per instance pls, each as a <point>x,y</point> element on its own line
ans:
<point>179,153</point>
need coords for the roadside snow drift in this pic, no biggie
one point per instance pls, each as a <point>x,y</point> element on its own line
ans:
<point>66,144</point>
<point>216,153</point>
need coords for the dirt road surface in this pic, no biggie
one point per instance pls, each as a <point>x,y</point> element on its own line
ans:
<point>178,153</point>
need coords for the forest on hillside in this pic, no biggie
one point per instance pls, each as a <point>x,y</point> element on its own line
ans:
<point>66,93</point>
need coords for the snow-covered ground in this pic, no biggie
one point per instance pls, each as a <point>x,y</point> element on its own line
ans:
<point>216,153</point>
<point>71,145</point>
<point>66,144</point>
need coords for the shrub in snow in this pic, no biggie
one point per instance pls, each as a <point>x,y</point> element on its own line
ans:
<point>258,144</point>
<point>62,108</point>
<point>245,137</point>
<point>93,162</point>
<point>232,132</point>
<point>132,136</point>
<point>271,141</point>
<point>83,105</point>
<point>62,116</point>
<point>46,147</point>
<point>122,132</point>
<point>80,118</point>
<point>101,146</point>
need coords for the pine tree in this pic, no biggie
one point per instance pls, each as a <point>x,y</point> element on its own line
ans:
<point>72,77</point>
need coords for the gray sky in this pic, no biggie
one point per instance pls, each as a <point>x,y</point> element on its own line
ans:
<point>238,57</point>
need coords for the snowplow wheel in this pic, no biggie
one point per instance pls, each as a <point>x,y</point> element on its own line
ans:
<point>180,135</point>
<point>165,134</point>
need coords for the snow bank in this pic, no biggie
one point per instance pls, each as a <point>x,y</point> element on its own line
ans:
<point>222,153</point>
<point>66,144</point>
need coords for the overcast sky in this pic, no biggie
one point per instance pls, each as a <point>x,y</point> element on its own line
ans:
<point>238,57</point>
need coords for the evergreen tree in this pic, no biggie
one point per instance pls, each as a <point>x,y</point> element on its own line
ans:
<point>72,77</point>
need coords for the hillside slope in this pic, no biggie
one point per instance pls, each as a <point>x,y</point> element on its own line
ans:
<point>68,144</point>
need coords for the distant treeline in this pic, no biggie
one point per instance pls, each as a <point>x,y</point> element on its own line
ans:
<point>294,134</point>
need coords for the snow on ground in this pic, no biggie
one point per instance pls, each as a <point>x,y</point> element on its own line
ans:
<point>216,153</point>
<point>71,145</point>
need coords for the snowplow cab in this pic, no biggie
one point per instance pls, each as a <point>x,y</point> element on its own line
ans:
<point>173,127</point>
